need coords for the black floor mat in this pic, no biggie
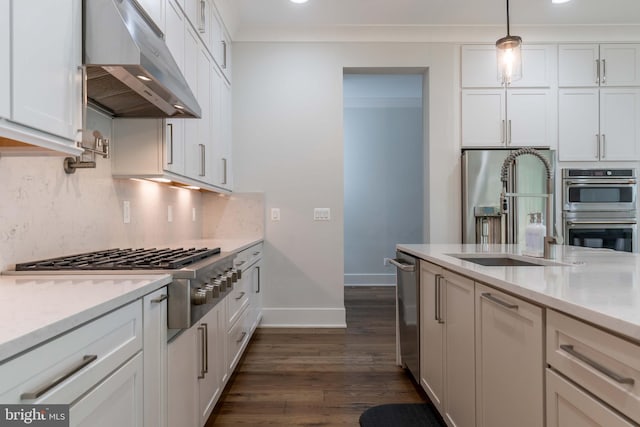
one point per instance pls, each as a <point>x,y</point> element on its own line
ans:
<point>401,415</point>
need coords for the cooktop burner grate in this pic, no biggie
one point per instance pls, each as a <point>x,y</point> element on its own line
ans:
<point>123,259</point>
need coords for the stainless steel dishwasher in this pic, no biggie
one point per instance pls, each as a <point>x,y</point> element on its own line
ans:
<point>408,297</point>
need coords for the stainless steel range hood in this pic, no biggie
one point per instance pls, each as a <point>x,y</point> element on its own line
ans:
<point>130,71</point>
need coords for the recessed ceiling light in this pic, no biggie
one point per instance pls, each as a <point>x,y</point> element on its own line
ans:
<point>298,1</point>
<point>560,1</point>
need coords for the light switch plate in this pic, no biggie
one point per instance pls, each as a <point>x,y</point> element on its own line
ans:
<point>275,214</point>
<point>321,214</point>
<point>193,214</point>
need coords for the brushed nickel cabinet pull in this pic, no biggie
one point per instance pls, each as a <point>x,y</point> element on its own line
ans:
<point>436,297</point>
<point>86,360</point>
<point>224,54</point>
<point>239,340</point>
<point>597,72</point>
<point>498,301</point>
<point>224,170</point>
<point>604,71</point>
<point>602,144</point>
<point>595,365</point>
<point>509,133</point>
<point>203,7</point>
<point>502,133</point>
<point>202,352</point>
<point>597,146</point>
<point>202,159</point>
<point>240,296</point>
<point>159,299</point>
<point>170,147</point>
<point>259,284</point>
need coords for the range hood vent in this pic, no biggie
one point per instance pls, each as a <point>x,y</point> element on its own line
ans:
<point>130,71</point>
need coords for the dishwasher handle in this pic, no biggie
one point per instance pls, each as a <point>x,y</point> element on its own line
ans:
<point>402,266</point>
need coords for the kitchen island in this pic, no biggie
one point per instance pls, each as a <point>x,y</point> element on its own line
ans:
<point>554,343</point>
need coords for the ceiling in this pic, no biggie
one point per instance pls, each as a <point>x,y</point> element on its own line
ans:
<point>264,16</point>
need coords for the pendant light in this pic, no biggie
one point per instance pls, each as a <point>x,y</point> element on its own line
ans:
<point>509,56</point>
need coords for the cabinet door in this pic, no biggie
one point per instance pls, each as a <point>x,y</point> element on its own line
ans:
<point>578,128</point>
<point>620,64</point>
<point>154,308</point>
<point>459,351</point>
<point>509,360</point>
<point>578,65</point>
<point>198,13</point>
<point>539,66</point>
<point>570,406</point>
<point>209,378</point>
<point>530,115</point>
<point>619,124</point>
<point>223,176</point>
<point>483,118</point>
<point>46,69</point>
<point>117,401</point>
<point>479,67</point>
<point>182,384</point>
<point>174,131</point>
<point>5,59</point>
<point>431,334</point>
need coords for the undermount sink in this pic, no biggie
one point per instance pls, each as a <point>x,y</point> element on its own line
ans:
<point>502,260</point>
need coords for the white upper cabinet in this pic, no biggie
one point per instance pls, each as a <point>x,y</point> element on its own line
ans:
<point>480,66</point>
<point>483,117</point>
<point>41,77</point>
<point>5,65</point>
<point>590,65</point>
<point>199,14</point>
<point>599,124</point>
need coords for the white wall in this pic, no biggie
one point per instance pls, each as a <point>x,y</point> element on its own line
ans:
<point>288,134</point>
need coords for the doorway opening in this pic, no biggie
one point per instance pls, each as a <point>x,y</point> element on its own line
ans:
<point>385,169</point>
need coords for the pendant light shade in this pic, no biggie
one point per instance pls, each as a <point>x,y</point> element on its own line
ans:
<point>508,50</point>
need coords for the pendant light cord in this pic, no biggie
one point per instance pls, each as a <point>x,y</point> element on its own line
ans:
<point>508,33</point>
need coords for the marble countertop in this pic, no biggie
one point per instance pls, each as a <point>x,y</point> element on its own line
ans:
<point>597,285</point>
<point>34,309</point>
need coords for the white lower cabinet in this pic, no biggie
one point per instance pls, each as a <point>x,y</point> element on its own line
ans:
<point>154,313</point>
<point>182,384</point>
<point>595,360</point>
<point>211,366</point>
<point>117,401</point>
<point>509,360</point>
<point>570,406</point>
<point>448,329</point>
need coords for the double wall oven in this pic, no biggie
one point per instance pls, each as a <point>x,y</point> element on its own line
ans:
<point>599,208</point>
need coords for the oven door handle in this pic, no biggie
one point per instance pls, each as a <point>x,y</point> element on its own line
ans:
<point>602,222</point>
<point>585,182</point>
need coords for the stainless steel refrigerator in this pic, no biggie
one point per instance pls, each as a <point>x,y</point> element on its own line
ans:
<point>482,221</point>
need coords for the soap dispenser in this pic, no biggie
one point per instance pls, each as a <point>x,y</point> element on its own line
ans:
<point>530,235</point>
<point>540,233</point>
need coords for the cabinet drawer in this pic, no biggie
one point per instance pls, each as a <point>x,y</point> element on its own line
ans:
<point>607,366</point>
<point>568,406</point>
<point>248,256</point>
<point>238,299</point>
<point>113,339</point>
<point>237,337</point>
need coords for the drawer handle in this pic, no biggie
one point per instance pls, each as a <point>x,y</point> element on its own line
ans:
<point>159,299</point>
<point>86,360</point>
<point>239,340</point>
<point>240,296</point>
<point>256,253</point>
<point>240,263</point>
<point>499,301</point>
<point>595,365</point>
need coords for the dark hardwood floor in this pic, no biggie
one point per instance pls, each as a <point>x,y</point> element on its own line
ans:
<point>320,377</point>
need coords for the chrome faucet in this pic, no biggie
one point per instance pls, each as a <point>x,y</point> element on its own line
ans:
<point>549,239</point>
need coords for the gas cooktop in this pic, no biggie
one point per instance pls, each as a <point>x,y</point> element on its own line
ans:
<point>122,259</point>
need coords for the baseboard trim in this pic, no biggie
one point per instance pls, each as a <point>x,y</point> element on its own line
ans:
<point>303,318</point>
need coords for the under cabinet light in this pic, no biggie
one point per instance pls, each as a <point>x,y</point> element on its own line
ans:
<point>298,1</point>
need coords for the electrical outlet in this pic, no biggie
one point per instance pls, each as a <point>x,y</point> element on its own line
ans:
<point>126,212</point>
<point>193,214</point>
<point>275,214</point>
<point>169,213</point>
<point>385,261</point>
<point>321,214</point>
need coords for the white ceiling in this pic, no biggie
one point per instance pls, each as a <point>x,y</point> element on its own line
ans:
<point>264,16</point>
